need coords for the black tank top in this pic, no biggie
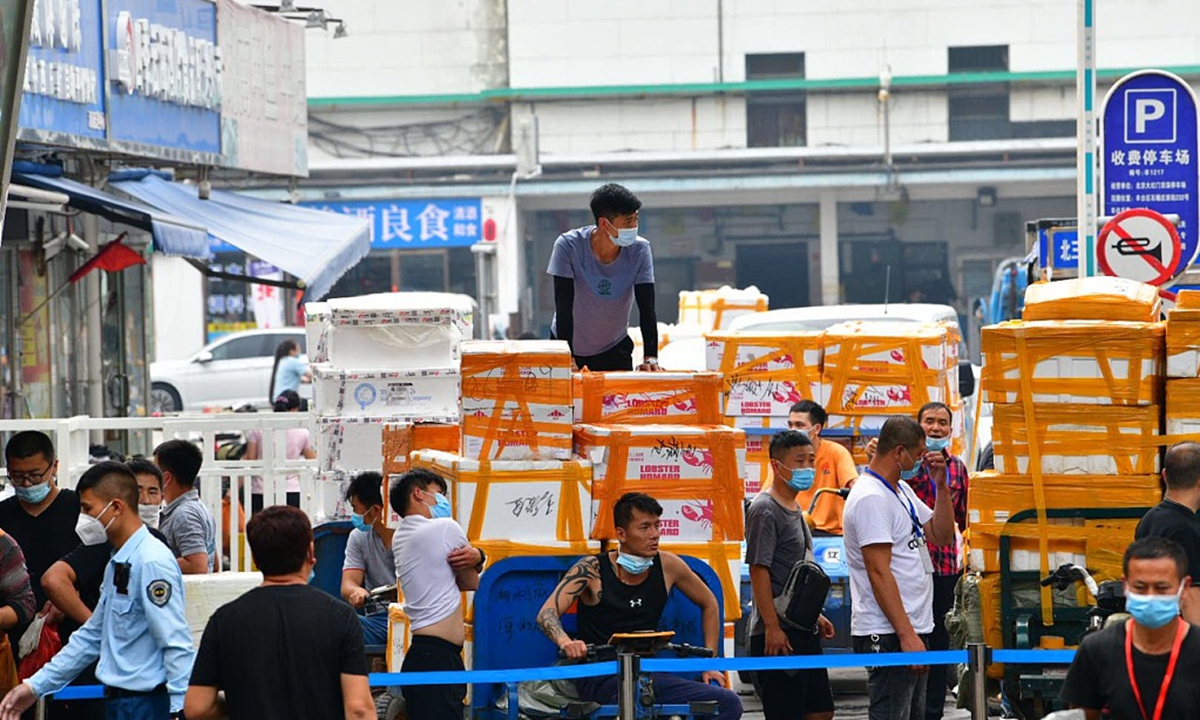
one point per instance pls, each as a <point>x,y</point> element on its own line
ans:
<point>622,608</point>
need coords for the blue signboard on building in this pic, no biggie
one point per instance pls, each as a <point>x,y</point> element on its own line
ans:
<point>164,77</point>
<point>64,73</point>
<point>416,224</point>
<point>1150,145</point>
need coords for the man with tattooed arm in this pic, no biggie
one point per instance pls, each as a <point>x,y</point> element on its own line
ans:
<point>625,590</point>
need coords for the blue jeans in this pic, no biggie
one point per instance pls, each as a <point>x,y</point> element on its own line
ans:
<point>375,628</point>
<point>668,689</point>
<point>149,707</point>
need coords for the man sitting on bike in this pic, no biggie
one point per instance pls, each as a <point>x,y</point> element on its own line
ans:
<point>625,590</point>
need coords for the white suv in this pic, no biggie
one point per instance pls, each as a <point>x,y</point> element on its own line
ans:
<point>229,372</point>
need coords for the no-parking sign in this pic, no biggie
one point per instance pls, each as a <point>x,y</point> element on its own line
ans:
<point>1139,244</point>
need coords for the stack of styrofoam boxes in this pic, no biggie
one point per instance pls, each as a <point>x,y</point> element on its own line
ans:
<point>515,489</point>
<point>391,359</point>
<point>694,471</point>
<point>874,370</point>
<point>1183,365</point>
<point>765,373</point>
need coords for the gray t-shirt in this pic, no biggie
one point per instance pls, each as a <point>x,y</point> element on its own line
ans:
<point>365,551</point>
<point>189,527</point>
<point>776,538</point>
<point>603,293</point>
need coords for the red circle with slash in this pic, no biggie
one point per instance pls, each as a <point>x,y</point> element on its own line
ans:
<point>1139,244</point>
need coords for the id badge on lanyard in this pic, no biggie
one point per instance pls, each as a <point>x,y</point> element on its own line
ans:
<point>917,541</point>
<point>1180,631</point>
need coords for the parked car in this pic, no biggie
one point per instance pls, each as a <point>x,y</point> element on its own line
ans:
<point>229,372</point>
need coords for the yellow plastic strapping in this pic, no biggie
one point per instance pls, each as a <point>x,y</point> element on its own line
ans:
<point>401,440</point>
<point>1131,343</point>
<point>1035,463</point>
<point>1133,452</point>
<point>793,346</point>
<point>696,303</point>
<point>521,390</point>
<point>842,369</point>
<point>725,487</point>
<point>701,393</point>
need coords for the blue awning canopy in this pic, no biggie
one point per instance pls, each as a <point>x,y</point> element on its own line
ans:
<point>172,236</point>
<point>317,247</point>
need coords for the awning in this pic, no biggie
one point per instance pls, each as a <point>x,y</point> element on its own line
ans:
<point>172,236</point>
<point>317,247</point>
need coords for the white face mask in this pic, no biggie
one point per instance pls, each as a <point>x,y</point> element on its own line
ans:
<point>149,515</point>
<point>90,530</point>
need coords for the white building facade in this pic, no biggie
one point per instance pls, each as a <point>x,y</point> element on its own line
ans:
<point>754,131</point>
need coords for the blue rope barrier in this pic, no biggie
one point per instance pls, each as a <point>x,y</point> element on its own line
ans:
<point>663,665</point>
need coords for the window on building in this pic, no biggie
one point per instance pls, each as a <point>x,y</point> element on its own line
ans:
<point>979,111</point>
<point>776,118</point>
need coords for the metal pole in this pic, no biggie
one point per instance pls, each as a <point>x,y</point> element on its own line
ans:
<point>628,667</point>
<point>1085,136</point>
<point>978,658</point>
<point>94,316</point>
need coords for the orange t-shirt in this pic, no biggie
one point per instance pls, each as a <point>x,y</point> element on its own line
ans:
<point>835,469</point>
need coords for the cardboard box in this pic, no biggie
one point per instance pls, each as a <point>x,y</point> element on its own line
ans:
<point>765,372</point>
<point>892,368</point>
<point>536,502</point>
<point>398,331</point>
<point>430,392</point>
<point>1077,439</point>
<point>695,472</point>
<point>636,398</point>
<point>1073,362</point>
<point>316,330</point>
<point>517,400</point>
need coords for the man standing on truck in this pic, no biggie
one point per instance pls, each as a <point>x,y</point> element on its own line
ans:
<point>625,590</point>
<point>835,466</point>
<point>777,537</point>
<point>1175,517</point>
<point>891,572</point>
<point>1145,667</point>
<point>937,421</point>
<point>598,272</point>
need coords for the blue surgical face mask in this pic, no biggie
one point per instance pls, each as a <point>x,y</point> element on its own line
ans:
<point>33,494</point>
<point>441,506</point>
<point>1153,611</point>
<point>359,523</point>
<point>802,479</point>
<point>907,475</point>
<point>625,236</point>
<point>312,574</point>
<point>634,564</point>
<point>937,444</point>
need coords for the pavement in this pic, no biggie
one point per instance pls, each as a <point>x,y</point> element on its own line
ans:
<point>849,698</point>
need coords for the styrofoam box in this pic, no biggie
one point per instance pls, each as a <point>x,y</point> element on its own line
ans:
<point>685,521</point>
<point>932,339</point>
<point>1184,364</point>
<point>1076,368</point>
<point>1092,464</point>
<point>883,398</point>
<point>206,593</point>
<point>430,392</point>
<point>355,444</point>
<point>519,506</point>
<point>1184,425</point>
<point>675,458</point>
<point>316,330</point>
<point>552,445</point>
<point>330,501</point>
<point>1022,560</point>
<point>397,331</point>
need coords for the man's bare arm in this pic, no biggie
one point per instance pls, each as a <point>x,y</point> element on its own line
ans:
<point>573,585</point>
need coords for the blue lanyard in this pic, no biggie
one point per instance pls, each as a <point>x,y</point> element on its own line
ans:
<point>904,502</point>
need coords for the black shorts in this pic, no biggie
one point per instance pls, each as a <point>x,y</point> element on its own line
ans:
<point>433,702</point>
<point>792,694</point>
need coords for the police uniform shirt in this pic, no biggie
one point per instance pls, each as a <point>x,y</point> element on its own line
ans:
<point>138,631</point>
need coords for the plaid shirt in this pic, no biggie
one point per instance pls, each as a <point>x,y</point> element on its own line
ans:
<point>946,559</point>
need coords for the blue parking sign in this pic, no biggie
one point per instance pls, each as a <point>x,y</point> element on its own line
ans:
<point>1149,152</point>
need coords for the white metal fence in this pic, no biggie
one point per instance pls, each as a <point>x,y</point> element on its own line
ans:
<point>72,441</point>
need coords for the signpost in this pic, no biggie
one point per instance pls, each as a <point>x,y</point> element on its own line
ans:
<point>15,16</point>
<point>1085,134</point>
<point>1140,245</point>
<point>1149,159</point>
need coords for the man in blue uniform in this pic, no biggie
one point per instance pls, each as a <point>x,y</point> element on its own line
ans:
<point>138,631</point>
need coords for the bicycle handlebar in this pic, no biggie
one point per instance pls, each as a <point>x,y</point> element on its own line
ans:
<point>602,653</point>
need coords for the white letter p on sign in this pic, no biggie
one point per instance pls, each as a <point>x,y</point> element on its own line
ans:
<point>1147,110</point>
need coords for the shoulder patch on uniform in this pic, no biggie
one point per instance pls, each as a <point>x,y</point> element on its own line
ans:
<point>159,592</point>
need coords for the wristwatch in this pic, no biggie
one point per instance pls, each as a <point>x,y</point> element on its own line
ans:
<point>651,361</point>
<point>482,560</point>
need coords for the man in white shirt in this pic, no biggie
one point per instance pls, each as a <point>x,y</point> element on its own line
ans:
<point>891,573</point>
<point>435,564</point>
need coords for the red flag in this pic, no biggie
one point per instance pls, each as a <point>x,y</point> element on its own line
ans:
<point>113,257</point>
